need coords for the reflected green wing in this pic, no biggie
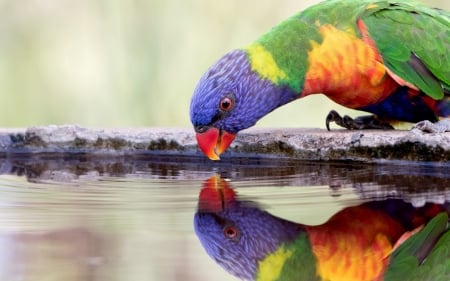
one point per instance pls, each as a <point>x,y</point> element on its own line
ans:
<point>425,255</point>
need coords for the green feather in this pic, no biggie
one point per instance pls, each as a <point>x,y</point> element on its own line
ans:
<point>425,255</point>
<point>295,259</point>
<point>414,42</point>
<point>286,42</point>
<point>303,261</point>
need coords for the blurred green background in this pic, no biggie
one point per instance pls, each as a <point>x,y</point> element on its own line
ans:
<point>111,63</point>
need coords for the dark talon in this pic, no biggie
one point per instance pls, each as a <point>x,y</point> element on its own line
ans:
<point>333,116</point>
<point>345,122</point>
<point>359,123</point>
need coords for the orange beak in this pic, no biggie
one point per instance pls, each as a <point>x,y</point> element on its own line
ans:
<point>214,141</point>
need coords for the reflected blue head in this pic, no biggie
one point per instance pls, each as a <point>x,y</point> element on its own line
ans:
<point>258,234</point>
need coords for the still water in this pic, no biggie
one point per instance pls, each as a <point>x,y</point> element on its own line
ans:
<point>132,218</point>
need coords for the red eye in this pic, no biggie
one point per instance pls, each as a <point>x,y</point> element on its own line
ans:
<point>226,104</point>
<point>231,232</point>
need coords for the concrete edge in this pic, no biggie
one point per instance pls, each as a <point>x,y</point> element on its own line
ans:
<point>301,144</point>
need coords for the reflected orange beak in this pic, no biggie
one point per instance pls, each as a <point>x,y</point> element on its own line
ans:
<point>216,195</point>
<point>214,141</point>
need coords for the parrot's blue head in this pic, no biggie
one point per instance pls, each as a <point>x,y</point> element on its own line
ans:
<point>231,97</point>
<point>238,234</point>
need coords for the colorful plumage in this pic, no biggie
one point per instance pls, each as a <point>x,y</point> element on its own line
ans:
<point>390,58</point>
<point>374,241</point>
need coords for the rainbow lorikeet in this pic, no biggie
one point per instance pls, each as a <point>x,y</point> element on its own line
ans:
<point>390,58</point>
<point>383,240</point>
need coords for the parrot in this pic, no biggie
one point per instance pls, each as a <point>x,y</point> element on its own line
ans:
<point>379,240</point>
<point>390,58</point>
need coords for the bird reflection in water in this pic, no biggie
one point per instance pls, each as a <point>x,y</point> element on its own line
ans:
<point>380,240</point>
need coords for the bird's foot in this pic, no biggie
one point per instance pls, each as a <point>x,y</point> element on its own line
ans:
<point>429,127</point>
<point>359,123</point>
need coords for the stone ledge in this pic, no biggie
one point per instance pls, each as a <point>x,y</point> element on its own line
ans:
<point>301,144</point>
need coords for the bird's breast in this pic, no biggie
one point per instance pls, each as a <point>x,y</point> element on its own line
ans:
<point>347,69</point>
<point>346,250</point>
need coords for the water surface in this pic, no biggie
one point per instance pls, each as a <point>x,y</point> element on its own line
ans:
<point>92,218</point>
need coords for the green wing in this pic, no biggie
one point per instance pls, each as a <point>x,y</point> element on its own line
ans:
<point>414,42</point>
<point>425,255</point>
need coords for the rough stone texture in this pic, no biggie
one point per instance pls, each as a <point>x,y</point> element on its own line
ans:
<point>302,144</point>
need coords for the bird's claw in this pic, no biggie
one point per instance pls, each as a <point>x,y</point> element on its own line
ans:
<point>345,122</point>
<point>359,123</point>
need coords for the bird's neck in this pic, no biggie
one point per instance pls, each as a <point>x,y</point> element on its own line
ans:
<point>288,261</point>
<point>280,55</point>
